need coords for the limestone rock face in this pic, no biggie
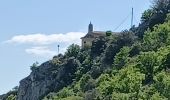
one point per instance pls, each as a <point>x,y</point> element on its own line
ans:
<point>36,84</point>
<point>46,78</point>
<point>2,96</point>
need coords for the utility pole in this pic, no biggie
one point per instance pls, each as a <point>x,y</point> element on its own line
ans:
<point>58,49</point>
<point>132,18</point>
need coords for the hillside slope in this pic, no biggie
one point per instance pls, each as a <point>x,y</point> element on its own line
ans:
<point>132,65</point>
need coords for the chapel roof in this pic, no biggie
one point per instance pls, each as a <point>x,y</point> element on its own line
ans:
<point>95,34</point>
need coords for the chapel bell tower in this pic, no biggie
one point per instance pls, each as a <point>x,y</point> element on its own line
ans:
<point>90,28</point>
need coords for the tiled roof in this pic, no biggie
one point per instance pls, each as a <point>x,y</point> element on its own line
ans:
<point>95,34</point>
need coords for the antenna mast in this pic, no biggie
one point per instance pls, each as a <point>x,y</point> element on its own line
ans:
<point>132,15</point>
<point>132,18</point>
<point>58,49</point>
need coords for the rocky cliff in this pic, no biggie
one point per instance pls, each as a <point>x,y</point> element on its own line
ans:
<point>49,77</point>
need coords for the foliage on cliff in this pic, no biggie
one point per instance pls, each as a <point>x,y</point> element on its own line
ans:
<point>132,65</point>
<point>139,69</point>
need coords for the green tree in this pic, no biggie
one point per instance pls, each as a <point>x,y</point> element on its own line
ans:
<point>73,98</point>
<point>12,97</point>
<point>149,63</point>
<point>162,84</point>
<point>98,46</point>
<point>69,70</point>
<point>128,81</point>
<point>121,58</point>
<point>147,15</point>
<point>34,66</point>
<point>108,33</point>
<point>157,15</point>
<point>84,85</point>
<point>125,38</point>
<point>73,50</point>
<point>64,93</point>
<point>157,38</point>
<point>84,68</point>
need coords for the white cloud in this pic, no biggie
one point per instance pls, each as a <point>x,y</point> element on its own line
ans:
<point>43,39</point>
<point>42,51</point>
<point>41,43</point>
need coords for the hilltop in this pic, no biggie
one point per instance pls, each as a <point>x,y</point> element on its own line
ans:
<point>131,65</point>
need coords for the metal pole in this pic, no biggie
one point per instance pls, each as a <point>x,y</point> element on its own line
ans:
<point>58,48</point>
<point>132,18</point>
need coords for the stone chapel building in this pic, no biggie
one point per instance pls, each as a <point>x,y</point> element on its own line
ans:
<point>91,36</point>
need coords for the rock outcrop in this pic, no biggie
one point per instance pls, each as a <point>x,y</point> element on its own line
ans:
<point>48,77</point>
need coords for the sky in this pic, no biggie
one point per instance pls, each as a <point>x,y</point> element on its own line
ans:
<point>30,30</point>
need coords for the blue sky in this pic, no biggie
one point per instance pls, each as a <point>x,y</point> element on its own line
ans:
<point>30,30</point>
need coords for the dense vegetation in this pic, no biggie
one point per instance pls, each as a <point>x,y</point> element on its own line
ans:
<point>132,65</point>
